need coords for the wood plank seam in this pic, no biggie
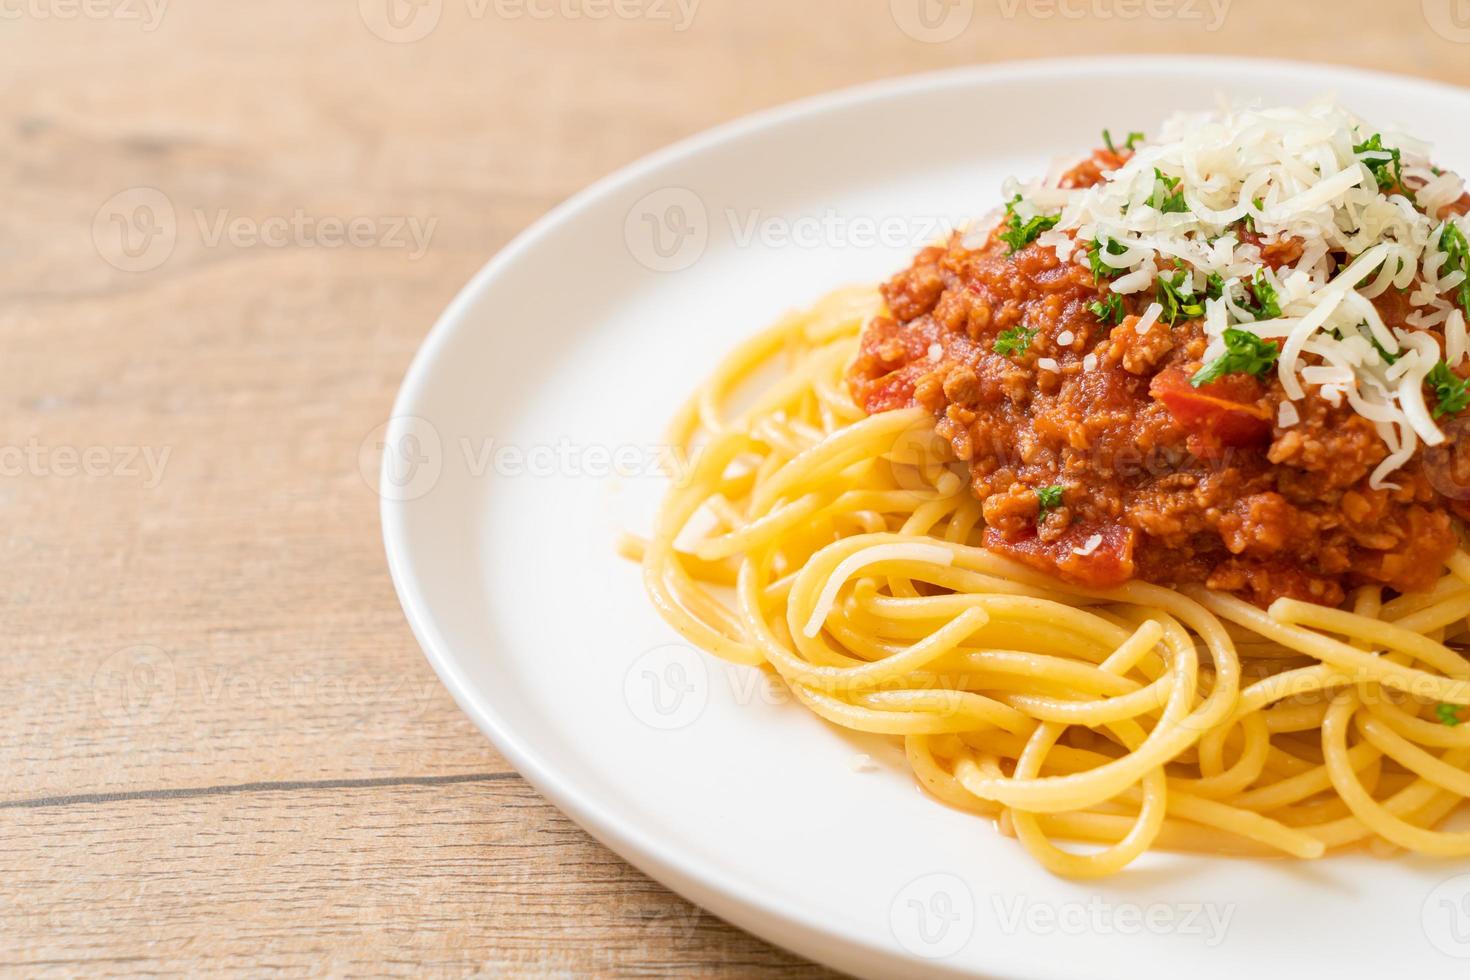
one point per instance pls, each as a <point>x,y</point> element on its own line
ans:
<point>183,793</point>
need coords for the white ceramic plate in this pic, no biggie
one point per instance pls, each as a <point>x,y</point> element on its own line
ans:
<point>563,360</point>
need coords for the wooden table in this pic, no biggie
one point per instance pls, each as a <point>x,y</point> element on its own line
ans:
<point>222,748</point>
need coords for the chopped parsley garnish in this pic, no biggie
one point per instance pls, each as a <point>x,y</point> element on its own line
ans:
<point>1448,714</point>
<point>1388,172</point>
<point>1214,286</point>
<point>1127,145</point>
<point>1268,303</point>
<point>1050,499</point>
<point>1171,199</point>
<point>1101,269</point>
<point>1013,342</point>
<point>1245,353</point>
<point>1382,351</point>
<point>1452,240</point>
<point>1250,220</point>
<point>1018,233</point>
<point>1109,309</point>
<point>1176,295</point>
<point>1451,392</point>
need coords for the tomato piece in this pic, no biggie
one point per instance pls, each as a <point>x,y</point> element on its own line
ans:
<point>1108,561</point>
<point>1227,412</point>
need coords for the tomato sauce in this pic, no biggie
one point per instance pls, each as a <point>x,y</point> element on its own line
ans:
<point>1161,480</point>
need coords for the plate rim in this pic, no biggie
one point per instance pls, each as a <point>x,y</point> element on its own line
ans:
<point>805,932</point>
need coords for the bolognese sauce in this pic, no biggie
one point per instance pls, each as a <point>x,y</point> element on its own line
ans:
<point>1104,447</point>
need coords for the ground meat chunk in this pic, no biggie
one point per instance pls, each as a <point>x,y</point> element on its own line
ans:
<point>1335,444</point>
<point>1138,353</point>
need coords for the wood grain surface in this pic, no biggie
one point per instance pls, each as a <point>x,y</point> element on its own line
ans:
<point>222,750</point>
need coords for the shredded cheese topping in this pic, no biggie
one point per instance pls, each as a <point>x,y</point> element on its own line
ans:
<point>1089,546</point>
<point>1365,208</point>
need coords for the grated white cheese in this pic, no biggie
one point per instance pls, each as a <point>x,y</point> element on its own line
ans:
<point>1295,174</point>
<point>935,352</point>
<point>1456,341</point>
<point>1136,281</point>
<point>1328,374</point>
<point>1048,364</point>
<point>1089,363</point>
<point>1089,546</point>
<point>1422,359</point>
<point>1149,318</point>
<point>1065,338</point>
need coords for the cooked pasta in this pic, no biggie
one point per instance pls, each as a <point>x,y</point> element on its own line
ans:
<point>843,552</point>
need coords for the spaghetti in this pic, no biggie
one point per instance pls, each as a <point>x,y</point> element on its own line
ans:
<point>843,551</point>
